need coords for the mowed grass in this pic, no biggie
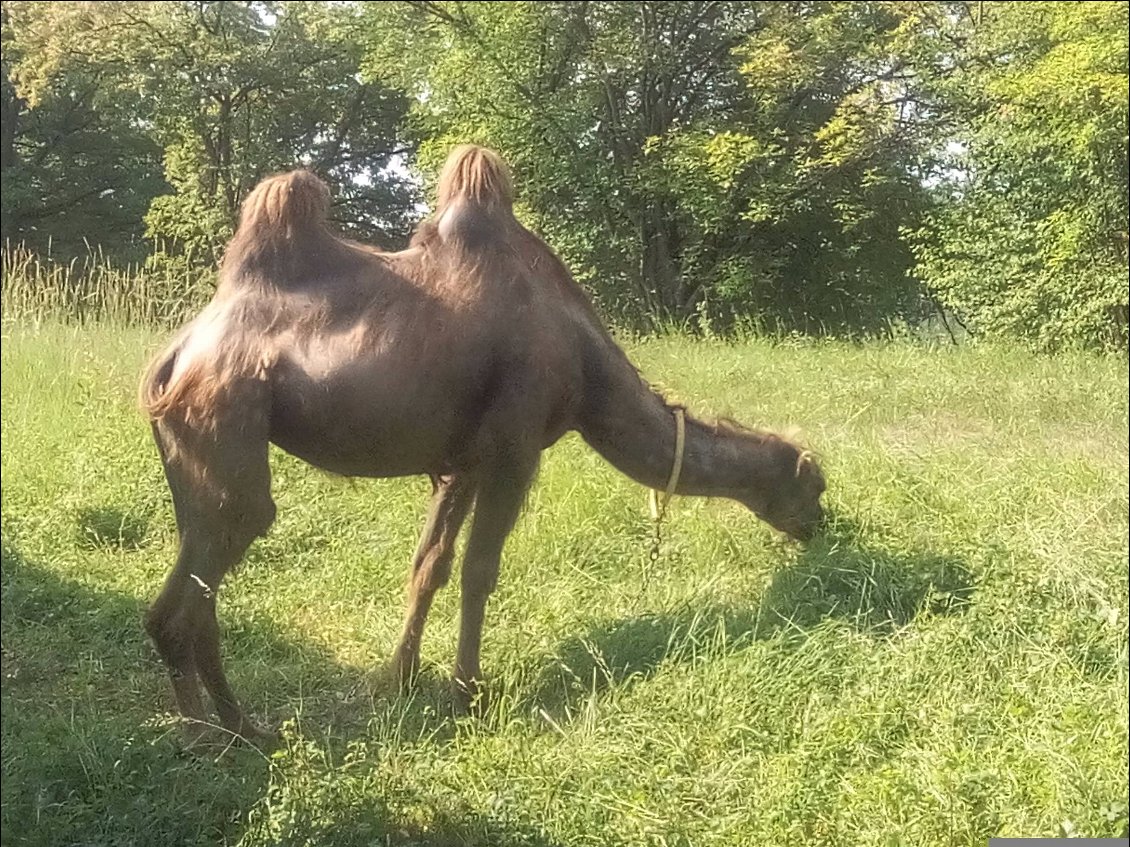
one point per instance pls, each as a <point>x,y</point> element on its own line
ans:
<point>948,663</point>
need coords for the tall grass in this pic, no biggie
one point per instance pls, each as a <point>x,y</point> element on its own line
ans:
<point>162,291</point>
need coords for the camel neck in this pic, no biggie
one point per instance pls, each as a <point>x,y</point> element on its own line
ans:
<point>635,429</point>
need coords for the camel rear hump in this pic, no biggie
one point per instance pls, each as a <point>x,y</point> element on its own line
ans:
<point>477,175</point>
<point>475,196</point>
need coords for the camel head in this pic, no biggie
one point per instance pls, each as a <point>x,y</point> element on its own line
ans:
<point>789,499</point>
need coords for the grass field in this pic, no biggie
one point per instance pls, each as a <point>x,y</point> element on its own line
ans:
<point>947,664</point>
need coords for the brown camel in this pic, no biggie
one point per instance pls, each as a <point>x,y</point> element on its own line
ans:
<point>462,357</point>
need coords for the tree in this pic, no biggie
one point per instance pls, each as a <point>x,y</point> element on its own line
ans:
<point>229,91</point>
<point>804,165</point>
<point>76,170</point>
<point>1029,239</point>
<point>810,187</point>
<point>720,159</point>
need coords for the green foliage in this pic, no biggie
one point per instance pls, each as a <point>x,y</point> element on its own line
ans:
<point>1030,237</point>
<point>229,92</point>
<point>825,167</point>
<point>812,186</point>
<point>78,171</point>
<point>948,664</point>
<point>167,290</point>
<point>723,160</point>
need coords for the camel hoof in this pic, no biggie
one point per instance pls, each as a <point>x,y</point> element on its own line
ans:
<point>208,739</point>
<point>251,733</point>
<point>405,670</point>
<point>196,735</point>
<point>470,698</point>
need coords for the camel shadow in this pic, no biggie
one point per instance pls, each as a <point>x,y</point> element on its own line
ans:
<point>840,576</point>
<point>371,822</point>
<point>111,527</point>
<point>93,754</point>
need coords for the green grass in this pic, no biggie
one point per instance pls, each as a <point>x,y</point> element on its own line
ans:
<point>948,664</point>
<point>164,291</point>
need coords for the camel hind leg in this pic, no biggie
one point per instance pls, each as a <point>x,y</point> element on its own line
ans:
<point>431,566</point>
<point>221,496</point>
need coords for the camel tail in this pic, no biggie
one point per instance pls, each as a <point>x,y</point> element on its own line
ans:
<point>188,396</point>
<point>153,396</point>
<point>282,222</point>
<point>475,175</point>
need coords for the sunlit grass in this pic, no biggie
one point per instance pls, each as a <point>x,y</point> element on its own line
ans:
<point>948,663</point>
<point>37,288</point>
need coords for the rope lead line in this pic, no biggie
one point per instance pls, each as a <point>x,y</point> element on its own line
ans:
<point>659,506</point>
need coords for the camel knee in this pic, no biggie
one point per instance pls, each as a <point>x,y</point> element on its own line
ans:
<point>259,517</point>
<point>247,518</point>
<point>224,531</point>
<point>169,634</point>
<point>479,583</point>
<point>433,570</point>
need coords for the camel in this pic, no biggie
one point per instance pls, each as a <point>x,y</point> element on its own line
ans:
<point>462,357</point>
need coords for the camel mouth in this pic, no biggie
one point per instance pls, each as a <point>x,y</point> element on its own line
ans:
<point>805,530</point>
<point>796,529</point>
<point>810,530</point>
<point>803,534</point>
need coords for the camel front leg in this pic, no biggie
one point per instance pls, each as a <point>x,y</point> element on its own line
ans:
<point>497,507</point>
<point>232,717</point>
<point>170,625</point>
<point>431,566</point>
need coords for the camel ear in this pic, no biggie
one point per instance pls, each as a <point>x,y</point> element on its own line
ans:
<point>804,462</point>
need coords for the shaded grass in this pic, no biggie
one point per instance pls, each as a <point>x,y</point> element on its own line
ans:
<point>948,663</point>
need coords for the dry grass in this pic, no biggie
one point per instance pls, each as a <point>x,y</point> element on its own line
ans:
<point>163,292</point>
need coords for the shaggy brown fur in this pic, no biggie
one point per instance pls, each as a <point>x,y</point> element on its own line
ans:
<point>475,175</point>
<point>462,358</point>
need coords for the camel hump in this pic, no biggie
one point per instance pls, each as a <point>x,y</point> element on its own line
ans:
<point>290,201</point>
<point>283,234</point>
<point>475,175</point>
<point>475,197</point>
